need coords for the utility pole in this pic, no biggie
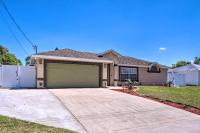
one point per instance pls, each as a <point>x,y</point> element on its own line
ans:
<point>35,48</point>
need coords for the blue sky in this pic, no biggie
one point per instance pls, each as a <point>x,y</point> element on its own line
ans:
<point>163,31</point>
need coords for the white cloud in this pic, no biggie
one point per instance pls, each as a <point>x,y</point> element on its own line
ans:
<point>162,49</point>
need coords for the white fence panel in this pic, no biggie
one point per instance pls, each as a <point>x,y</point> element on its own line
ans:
<point>14,76</point>
<point>9,75</point>
<point>26,76</point>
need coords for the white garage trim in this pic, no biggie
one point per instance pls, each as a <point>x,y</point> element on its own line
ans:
<point>71,59</point>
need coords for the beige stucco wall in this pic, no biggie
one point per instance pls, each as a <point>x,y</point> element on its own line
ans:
<point>40,68</point>
<point>147,78</point>
<point>114,76</point>
<point>113,69</point>
<point>40,73</point>
<point>39,63</point>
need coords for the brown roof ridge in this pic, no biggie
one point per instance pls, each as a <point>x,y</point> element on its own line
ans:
<point>59,50</point>
<point>78,51</point>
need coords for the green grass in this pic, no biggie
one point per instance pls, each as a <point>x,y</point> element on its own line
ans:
<point>189,95</point>
<point>12,125</point>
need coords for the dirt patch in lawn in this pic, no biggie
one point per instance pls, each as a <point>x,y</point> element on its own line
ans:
<point>170,103</point>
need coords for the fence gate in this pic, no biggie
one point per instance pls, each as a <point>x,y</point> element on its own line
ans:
<point>14,76</point>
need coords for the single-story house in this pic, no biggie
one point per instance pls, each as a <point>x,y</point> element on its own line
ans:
<point>69,68</point>
<point>185,75</point>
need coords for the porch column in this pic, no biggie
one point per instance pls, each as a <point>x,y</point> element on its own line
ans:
<point>40,73</point>
<point>116,75</point>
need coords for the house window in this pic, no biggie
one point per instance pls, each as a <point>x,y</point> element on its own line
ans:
<point>126,73</point>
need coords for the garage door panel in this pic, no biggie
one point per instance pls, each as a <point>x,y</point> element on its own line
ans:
<point>72,75</point>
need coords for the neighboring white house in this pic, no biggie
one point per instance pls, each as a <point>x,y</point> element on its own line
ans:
<point>185,75</point>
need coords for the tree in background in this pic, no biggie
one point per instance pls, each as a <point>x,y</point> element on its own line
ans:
<point>180,63</point>
<point>197,60</point>
<point>8,58</point>
<point>27,60</point>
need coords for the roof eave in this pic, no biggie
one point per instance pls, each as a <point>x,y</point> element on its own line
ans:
<point>70,59</point>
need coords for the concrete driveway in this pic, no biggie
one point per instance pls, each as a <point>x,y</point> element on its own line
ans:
<point>96,111</point>
<point>39,106</point>
<point>104,111</point>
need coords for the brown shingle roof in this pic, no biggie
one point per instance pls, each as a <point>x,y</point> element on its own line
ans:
<point>71,53</point>
<point>132,61</point>
<point>125,60</point>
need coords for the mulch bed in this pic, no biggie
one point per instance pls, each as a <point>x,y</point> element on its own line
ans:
<point>170,103</point>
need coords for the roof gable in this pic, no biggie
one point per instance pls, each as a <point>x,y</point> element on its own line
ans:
<point>196,66</point>
<point>110,51</point>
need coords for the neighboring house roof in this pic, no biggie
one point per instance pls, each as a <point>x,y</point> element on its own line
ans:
<point>190,67</point>
<point>121,60</point>
<point>196,66</point>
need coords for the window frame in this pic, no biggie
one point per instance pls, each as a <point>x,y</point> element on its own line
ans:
<point>137,73</point>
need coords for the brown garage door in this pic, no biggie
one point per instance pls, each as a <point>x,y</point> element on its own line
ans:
<point>61,75</point>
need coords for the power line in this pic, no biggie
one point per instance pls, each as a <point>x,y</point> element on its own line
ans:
<point>13,34</point>
<point>18,27</point>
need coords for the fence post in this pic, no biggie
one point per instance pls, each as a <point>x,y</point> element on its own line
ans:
<point>18,76</point>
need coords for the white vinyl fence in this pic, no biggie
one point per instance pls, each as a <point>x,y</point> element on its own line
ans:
<point>14,76</point>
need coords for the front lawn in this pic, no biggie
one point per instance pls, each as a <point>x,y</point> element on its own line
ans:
<point>189,95</point>
<point>11,125</point>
